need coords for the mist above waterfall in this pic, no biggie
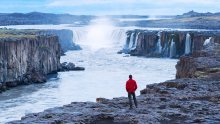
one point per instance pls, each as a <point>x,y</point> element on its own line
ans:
<point>100,33</point>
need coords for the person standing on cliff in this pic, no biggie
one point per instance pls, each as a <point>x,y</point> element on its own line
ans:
<point>131,87</point>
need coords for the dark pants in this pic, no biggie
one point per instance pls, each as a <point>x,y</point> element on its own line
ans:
<point>130,101</point>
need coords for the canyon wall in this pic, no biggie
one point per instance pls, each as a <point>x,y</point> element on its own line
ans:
<point>27,58</point>
<point>201,64</point>
<point>172,44</point>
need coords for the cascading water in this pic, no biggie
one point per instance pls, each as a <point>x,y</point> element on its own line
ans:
<point>78,34</point>
<point>172,49</point>
<point>188,44</point>
<point>159,47</point>
<point>118,36</point>
<point>135,42</point>
<point>99,34</point>
<point>131,42</point>
<point>207,41</point>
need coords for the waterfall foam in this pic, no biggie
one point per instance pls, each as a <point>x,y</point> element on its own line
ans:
<point>135,42</point>
<point>207,41</point>
<point>159,47</point>
<point>131,41</point>
<point>188,44</point>
<point>173,49</point>
<point>78,35</point>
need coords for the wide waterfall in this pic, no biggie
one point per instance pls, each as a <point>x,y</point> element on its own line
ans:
<point>188,44</point>
<point>172,49</point>
<point>159,47</point>
<point>100,34</point>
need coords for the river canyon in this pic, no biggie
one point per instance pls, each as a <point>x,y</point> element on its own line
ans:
<point>105,74</point>
<point>109,54</point>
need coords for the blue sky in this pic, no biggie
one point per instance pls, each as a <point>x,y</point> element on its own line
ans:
<point>110,7</point>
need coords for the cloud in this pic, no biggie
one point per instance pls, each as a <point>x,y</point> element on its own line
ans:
<point>126,2</point>
<point>107,7</point>
<point>159,7</point>
<point>75,3</point>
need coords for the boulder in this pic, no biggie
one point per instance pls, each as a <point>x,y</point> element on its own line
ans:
<point>68,66</point>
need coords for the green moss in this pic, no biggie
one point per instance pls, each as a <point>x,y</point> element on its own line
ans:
<point>213,70</point>
<point>17,33</point>
<point>205,73</point>
<point>200,74</point>
<point>16,36</point>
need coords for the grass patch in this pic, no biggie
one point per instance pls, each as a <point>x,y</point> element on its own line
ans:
<point>18,33</point>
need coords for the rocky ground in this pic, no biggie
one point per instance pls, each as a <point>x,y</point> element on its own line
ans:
<point>194,99</point>
<point>175,101</point>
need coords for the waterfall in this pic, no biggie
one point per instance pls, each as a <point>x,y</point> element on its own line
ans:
<point>135,42</point>
<point>159,47</point>
<point>100,33</point>
<point>118,36</point>
<point>188,44</point>
<point>172,49</point>
<point>98,38</point>
<point>207,41</point>
<point>131,41</point>
<point>78,35</point>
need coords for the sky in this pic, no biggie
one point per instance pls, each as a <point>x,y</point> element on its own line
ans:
<point>110,7</point>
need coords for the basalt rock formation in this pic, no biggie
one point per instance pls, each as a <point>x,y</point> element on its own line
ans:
<point>172,44</point>
<point>27,58</point>
<point>204,63</point>
<point>65,36</point>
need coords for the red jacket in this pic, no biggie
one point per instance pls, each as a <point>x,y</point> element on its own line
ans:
<point>131,86</point>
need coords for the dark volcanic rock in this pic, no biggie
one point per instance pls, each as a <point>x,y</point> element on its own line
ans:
<point>70,67</point>
<point>203,63</point>
<point>166,43</point>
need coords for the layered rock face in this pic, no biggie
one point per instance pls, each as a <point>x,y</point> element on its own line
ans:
<point>204,63</point>
<point>171,44</point>
<point>27,58</point>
